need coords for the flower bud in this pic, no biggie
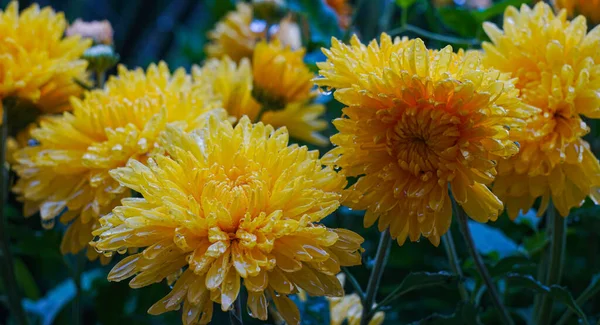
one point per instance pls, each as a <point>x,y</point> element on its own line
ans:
<point>101,57</point>
<point>99,31</point>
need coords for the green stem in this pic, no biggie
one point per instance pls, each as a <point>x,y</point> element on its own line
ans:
<point>8,267</point>
<point>404,18</point>
<point>455,264</point>
<point>433,36</point>
<point>481,268</point>
<point>80,260</point>
<point>235,313</point>
<point>100,79</point>
<point>373,285</point>
<point>354,283</point>
<point>558,241</point>
<point>544,260</point>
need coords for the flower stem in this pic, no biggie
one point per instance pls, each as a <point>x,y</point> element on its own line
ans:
<point>480,266</point>
<point>354,282</point>
<point>80,260</point>
<point>558,241</point>
<point>455,264</point>
<point>380,259</point>
<point>434,36</point>
<point>100,79</point>
<point>8,267</point>
<point>235,313</point>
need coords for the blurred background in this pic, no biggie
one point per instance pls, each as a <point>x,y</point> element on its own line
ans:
<point>147,31</point>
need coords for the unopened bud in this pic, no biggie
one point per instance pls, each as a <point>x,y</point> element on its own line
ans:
<point>101,57</point>
<point>99,31</point>
<point>289,34</point>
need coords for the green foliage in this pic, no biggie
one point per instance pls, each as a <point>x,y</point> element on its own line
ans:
<point>557,293</point>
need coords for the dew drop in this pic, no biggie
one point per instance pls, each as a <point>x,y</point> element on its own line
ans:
<point>108,254</point>
<point>325,91</point>
<point>33,143</point>
<point>258,25</point>
<point>122,250</point>
<point>48,223</point>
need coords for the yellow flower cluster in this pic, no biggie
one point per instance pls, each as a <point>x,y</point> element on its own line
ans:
<point>557,64</point>
<point>233,206</point>
<point>417,123</point>
<point>238,33</point>
<point>67,174</point>
<point>37,63</point>
<point>233,84</point>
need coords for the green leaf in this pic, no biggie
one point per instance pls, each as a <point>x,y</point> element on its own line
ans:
<point>405,4</point>
<point>460,20</point>
<point>535,243</point>
<point>556,292</point>
<point>496,9</point>
<point>511,263</point>
<point>322,19</point>
<point>465,314</point>
<point>25,280</point>
<point>418,280</point>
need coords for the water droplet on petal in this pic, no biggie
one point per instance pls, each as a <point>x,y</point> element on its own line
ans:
<point>48,223</point>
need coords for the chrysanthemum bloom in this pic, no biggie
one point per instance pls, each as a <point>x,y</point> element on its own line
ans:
<point>589,8</point>
<point>419,122</point>
<point>37,63</point>
<point>67,174</point>
<point>558,66</point>
<point>343,10</point>
<point>280,76</point>
<point>230,207</point>
<point>234,35</point>
<point>349,308</point>
<point>232,84</point>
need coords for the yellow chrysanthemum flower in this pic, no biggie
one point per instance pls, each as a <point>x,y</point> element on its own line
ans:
<point>280,75</point>
<point>349,308</point>
<point>232,84</point>
<point>419,121</point>
<point>230,204</point>
<point>67,174</point>
<point>558,66</point>
<point>37,63</point>
<point>233,36</point>
<point>589,8</point>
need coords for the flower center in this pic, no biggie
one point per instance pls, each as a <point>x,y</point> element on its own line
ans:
<point>421,138</point>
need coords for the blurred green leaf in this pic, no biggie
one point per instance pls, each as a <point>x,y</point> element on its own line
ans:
<point>465,314</point>
<point>418,280</point>
<point>496,9</point>
<point>25,280</point>
<point>322,19</point>
<point>462,21</point>
<point>556,292</point>
<point>404,4</point>
<point>537,242</point>
<point>508,264</point>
